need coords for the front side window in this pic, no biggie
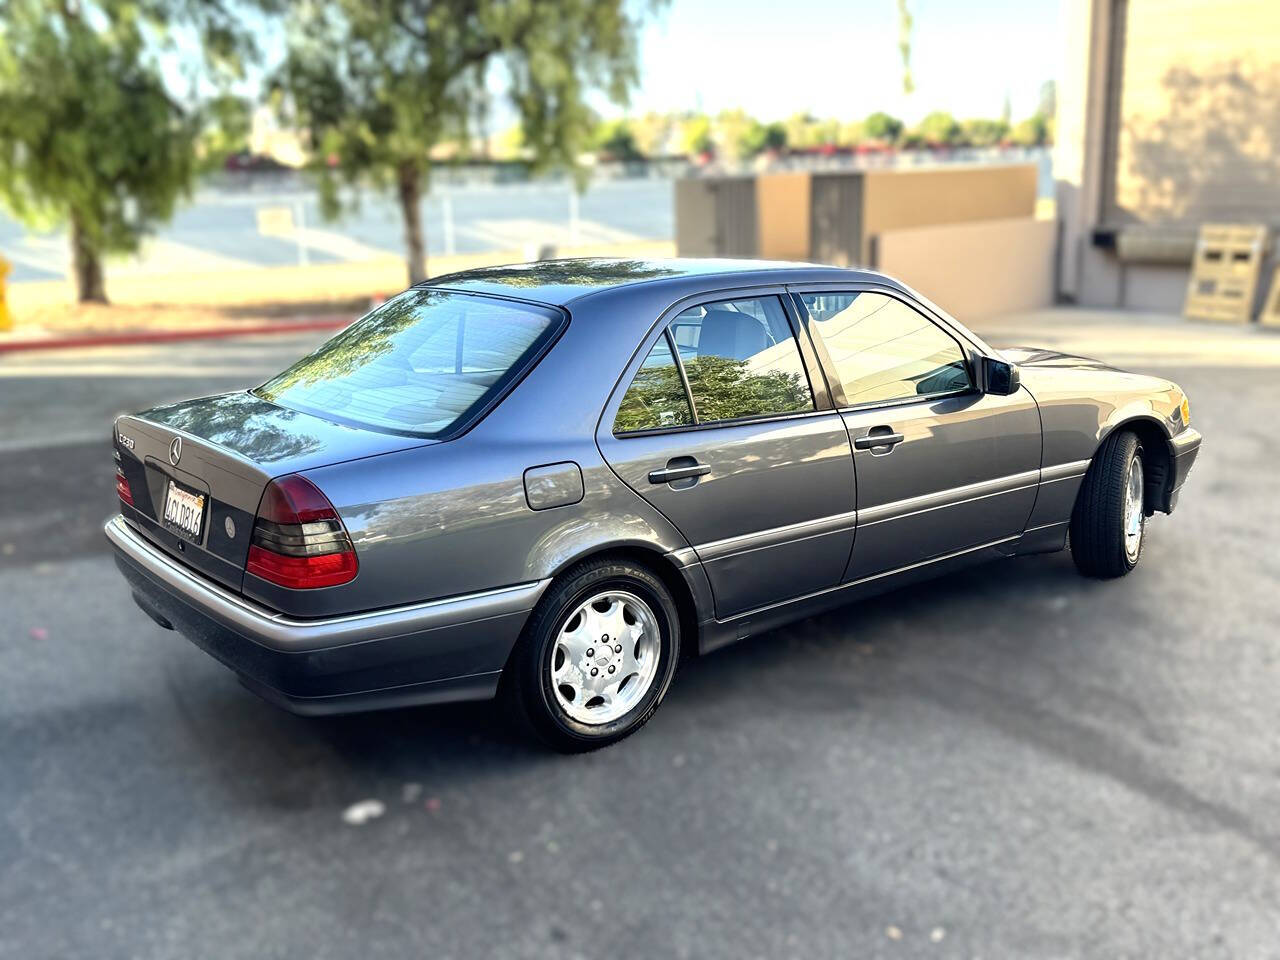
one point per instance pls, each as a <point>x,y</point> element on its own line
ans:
<point>423,363</point>
<point>741,359</point>
<point>882,349</point>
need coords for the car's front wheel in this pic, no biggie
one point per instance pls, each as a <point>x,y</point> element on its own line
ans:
<point>596,657</point>
<point>1109,522</point>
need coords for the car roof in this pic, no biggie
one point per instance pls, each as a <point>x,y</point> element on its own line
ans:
<point>560,282</point>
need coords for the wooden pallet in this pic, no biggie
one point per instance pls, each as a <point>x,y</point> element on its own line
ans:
<point>1225,272</point>
<point>1270,316</point>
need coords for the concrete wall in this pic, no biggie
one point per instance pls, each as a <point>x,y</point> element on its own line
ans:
<point>695,218</point>
<point>1168,117</point>
<point>835,229</point>
<point>830,217</point>
<point>1197,133</point>
<point>897,199</point>
<point>975,270</point>
<point>782,216</point>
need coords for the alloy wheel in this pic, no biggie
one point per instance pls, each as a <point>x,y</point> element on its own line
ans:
<point>1133,515</point>
<point>605,657</point>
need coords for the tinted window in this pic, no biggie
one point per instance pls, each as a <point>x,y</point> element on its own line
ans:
<point>883,349</point>
<point>424,362</point>
<point>656,397</point>
<point>741,360</point>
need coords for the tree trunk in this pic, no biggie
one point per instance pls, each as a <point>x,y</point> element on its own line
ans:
<point>87,264</point>
<point>409,187</point>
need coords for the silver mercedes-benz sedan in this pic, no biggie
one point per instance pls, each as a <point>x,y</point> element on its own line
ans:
<point>549,482</point>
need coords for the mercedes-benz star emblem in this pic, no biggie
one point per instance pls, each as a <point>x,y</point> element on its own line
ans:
<point>175,451</point>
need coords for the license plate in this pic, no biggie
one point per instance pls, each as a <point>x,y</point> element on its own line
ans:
<point>184,510</point>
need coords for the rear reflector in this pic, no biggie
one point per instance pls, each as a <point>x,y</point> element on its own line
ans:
<point>122,488</point>
<point>298,539</point>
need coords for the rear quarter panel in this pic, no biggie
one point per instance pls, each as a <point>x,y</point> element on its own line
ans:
<point>453,518</point>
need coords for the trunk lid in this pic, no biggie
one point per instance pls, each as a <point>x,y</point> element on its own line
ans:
<point>221,452</point>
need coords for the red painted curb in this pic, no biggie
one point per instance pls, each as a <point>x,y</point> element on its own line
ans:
<point>127,337</point>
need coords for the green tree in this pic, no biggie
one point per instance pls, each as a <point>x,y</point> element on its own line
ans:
<point>723,386</point>
<point>227,122</point>
<point>379,85</point>
<point>775,136</point>
<point>982,132</point>
<point>852,133</point>
<point>771,136</point>
<point>90,137</point>
<point>881,126</point>
<point>695,134</point>
<point>797,127</point>
<point>1031,132</point>
<point>615,139</point>
<point>652,132</point>
<point>743,135</point>
<point>805,130</point>
<point>939,127</point>
<point>905,24</point>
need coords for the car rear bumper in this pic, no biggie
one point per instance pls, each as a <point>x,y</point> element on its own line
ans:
<point>432,652</point>
<point>1186,446</point>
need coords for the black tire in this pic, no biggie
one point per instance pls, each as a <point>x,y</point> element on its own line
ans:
<point>526,684</point>
<point>1098,522</point>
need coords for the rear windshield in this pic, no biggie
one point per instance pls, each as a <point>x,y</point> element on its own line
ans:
<point>424,363</point>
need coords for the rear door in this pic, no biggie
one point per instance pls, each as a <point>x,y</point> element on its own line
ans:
<point>941,467</point>
<point>718,426</point>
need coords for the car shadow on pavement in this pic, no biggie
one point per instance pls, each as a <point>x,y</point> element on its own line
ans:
<point>862,650</point>
<point>1020,648</point>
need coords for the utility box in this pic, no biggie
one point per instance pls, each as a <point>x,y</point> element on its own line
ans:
<point>832,217</point>
<point>835,231</point>
<point>716,217</point>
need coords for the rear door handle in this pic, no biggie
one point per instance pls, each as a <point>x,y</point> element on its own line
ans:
<point>878,437</point>
<point>673,472</point>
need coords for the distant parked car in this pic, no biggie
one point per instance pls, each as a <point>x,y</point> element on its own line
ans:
<point>254,162</point>
<point>551,481</point>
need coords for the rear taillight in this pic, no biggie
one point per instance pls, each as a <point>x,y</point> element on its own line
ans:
<point>298,540</point>
<point>122,487</point>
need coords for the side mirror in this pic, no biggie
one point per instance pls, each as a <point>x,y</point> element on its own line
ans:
<point>1000,377</point>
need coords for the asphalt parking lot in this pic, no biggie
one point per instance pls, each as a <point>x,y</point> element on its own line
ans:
<point>219,230</point>
<point>1011,762</point>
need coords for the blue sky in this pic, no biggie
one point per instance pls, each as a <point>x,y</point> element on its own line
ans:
<point>840,59</point>
<point>831,58</point>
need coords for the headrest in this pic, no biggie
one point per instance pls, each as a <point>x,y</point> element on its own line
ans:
<point>729,333</point>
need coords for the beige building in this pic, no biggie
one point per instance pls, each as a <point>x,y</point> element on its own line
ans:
<point>1168,117</point>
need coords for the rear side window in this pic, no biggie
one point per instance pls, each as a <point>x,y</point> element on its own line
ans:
<point>740,358</point>
<point>656,398</point>
<point>425,363</point>
<point>884,350</point>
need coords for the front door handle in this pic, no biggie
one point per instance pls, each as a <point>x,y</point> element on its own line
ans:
<point>878,437</point>
<point>679,468</point>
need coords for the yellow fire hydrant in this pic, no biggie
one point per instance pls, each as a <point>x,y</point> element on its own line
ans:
<point>6,318</point>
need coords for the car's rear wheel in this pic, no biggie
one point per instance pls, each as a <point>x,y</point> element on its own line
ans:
<point>596,657</point>
<point>1108,525</point>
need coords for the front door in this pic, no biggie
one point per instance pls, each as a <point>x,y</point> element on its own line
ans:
<point>941,467</point>
<point>718,429</point>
